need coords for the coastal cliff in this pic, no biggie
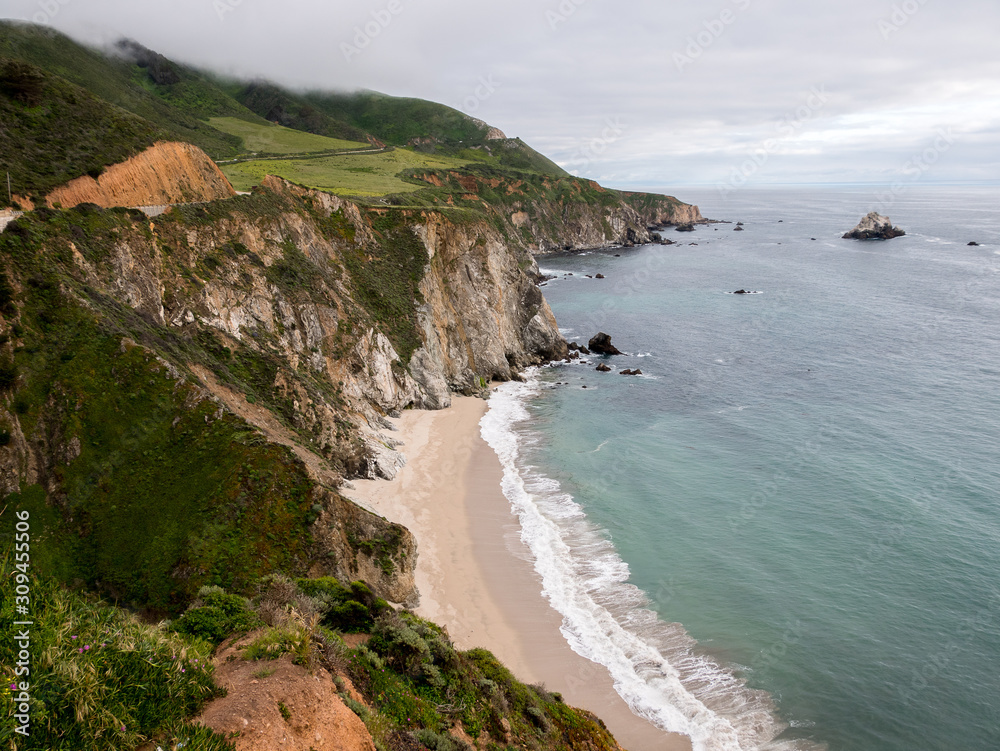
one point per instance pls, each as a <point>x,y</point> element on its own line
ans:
<point>288,323</point>
<point>185,400</point>
<point>547,214</point>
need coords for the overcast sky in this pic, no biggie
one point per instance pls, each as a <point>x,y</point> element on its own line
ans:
<point>634,93</point>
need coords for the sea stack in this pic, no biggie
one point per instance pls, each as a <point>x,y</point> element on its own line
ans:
<point>601,344</point>
<point>874,227</point>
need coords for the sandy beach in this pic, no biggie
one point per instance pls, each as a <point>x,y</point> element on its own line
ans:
<point>474,574</point>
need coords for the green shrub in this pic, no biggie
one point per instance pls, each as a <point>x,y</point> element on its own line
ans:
<point>220,616</point>
<point>352,609</point>
<point>438,742</point>
<point>100,677</point>
<point>6,296</point>
<point>357,707</point>
<point>8,376</point>
<point>195,738</point>
<point>400,644</point>
<point>292,638</point>
<point>208,623</point>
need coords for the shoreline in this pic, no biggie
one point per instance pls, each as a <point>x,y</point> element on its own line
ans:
<point>474,574</point>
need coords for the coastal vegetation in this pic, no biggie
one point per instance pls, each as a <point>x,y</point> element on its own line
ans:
<point>265,138</point>
<point>104,677</point>
<point>356,175</point>
<point>55,131</point>
<point>182,396</point>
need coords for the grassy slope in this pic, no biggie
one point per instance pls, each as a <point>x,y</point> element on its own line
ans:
<point>286,108</point>
<point>175,109</point>
<point>398,120</point>
<point>100,678</point>
<point>55,131</point>
<point>271,138</point>
<point>178,100</point>
<point>350,175</point>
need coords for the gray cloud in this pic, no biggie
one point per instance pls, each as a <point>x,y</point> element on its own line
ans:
<point>694,90</point>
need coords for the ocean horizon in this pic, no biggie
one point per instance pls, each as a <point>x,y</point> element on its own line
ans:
<point>784,533</point>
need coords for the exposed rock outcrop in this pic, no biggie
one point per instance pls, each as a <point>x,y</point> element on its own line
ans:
<point>874,226</point>
<point>601,344</point>
<point>549,215</point>
<point>167,172</point>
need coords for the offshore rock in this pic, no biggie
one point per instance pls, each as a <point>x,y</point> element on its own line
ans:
<point>601,344</point>
<point>874,227</point>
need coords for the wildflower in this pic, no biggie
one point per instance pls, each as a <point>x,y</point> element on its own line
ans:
<point>72,637</point>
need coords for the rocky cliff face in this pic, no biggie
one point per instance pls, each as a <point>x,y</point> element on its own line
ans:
<point>546,214</point>
<point>293,314</point>
<point>167,172</point>
<point>268,336</point>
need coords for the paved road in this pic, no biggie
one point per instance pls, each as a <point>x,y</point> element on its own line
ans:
<point>305,155</point>
<point>6,217</point>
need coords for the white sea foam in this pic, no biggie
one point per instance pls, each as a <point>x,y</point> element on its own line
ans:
<point>656,667</point>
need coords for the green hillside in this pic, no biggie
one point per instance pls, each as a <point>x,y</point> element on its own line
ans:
<point>271,138</point>
<point>399,120</point>
<point>174,106</point>
<point>55,131</point>
<point>230,118</point>
<point>363,175</point>
<point>286,108</point>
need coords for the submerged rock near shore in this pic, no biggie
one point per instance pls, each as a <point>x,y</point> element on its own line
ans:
<point>874,227</point>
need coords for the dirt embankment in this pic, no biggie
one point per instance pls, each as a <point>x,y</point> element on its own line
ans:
<point>167,172</point>
<point>274,704</point>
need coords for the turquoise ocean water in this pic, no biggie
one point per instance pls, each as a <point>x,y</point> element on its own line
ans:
<point>786,532</point>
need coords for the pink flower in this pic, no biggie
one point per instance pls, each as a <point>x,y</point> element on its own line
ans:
<point>72,637</point>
